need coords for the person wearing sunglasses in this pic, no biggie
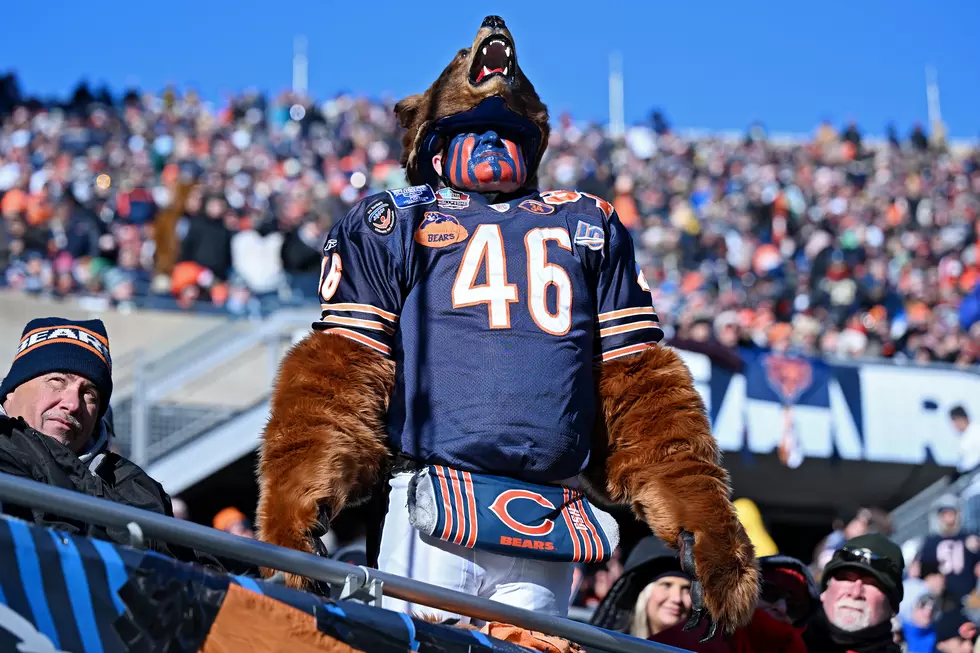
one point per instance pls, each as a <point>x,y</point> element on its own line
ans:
<point>861,591</point>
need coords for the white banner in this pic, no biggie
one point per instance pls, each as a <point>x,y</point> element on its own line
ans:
<point>875,412</point>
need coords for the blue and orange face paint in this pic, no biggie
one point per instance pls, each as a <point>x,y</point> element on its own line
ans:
<point>484,162</point>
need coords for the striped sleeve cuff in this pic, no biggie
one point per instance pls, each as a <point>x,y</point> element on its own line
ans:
<point>363,323</point>
<point>628,331</point>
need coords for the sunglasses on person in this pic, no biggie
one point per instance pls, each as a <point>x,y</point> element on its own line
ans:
<point>867,558</point>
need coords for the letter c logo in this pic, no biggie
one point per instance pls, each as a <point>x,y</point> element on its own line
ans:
<point>500,506</point>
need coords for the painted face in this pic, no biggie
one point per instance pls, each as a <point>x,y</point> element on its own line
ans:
<point>483,162</point>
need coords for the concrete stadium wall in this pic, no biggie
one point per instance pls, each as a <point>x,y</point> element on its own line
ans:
<point>155,332</point>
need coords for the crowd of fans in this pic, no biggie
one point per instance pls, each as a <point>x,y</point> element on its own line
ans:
<point>932,584</point>
<point>829,245</point>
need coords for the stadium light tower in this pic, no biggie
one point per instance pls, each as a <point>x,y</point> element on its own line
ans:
<point>936,127</point>
<point>300,66</point>
<point>617,119</point>
<point>932,97</point>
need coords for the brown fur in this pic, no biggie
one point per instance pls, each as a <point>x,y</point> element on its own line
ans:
<point>655,452</point>
<point>325,441</point>
<point>453,93</point>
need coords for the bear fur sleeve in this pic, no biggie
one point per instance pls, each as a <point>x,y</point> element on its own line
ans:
<point>324,446</point>
<point>663,460</point>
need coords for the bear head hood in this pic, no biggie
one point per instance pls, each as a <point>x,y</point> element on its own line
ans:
<point>483,86</point>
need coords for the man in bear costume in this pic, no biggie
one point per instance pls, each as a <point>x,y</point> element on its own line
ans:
<point>488,355</point>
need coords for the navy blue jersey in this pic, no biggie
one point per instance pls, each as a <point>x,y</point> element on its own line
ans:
<point>495,316</point>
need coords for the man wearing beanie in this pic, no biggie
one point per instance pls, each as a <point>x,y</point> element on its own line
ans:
<point>53,402</point>
<point>861,590</point>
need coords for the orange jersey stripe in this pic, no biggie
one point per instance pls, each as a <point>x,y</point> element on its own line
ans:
<point>626,328</point>
<point>364,340</point>
<point>626,312</point>
<point>361,308</point>
<point>446,505</point>
<point>576,546</point>
<point>364,324</point>
<point>471,507</point>
<point>460,512</point>
<point>625,351</point>
<point>600,550</point>
<point>589,551</point>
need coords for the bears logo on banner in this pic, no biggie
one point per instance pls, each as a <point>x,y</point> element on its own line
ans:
<point>788,376</point>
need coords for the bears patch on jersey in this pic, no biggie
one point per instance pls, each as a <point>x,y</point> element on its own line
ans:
<point>440,230</point>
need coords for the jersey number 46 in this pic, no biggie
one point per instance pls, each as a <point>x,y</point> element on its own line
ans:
<point>486,251</point>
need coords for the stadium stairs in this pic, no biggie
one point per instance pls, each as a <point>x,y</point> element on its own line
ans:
<point>198,407</point>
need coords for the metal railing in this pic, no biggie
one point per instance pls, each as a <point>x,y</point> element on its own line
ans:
<point>355,579</point>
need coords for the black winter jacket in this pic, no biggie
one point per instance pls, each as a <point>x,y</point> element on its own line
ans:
<point>30,454</point>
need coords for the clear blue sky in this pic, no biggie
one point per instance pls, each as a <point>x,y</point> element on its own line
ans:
<point>716,64</point>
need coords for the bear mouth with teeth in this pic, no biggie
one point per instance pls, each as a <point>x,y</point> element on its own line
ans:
<point>493,57</point>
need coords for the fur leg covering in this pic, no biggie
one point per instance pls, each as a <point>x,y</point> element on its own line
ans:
<point>324,445</point>
<point>663,460</point>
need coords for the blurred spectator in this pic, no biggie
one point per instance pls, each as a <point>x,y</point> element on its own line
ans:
<point>208,239</point>
<point>789,592</point>
<point>952,553</point>
<point>969,433</point>
<point>918,620</point>
<point>862,591</point>
<point>232,520</point>
<point>955,633</point>
<point>970,514</point>
<point>180,508</point>
<point>864,521</point>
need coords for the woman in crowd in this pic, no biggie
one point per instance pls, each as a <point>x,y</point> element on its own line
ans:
<point>663,603</point>
<point>651,596</point>
<point>788,598</point>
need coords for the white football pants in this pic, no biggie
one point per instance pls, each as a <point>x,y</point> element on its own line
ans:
<point>537,585</point>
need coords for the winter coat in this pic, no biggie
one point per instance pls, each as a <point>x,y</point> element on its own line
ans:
<point>764,634</point>
<point>208,243</point>
<point>27,453</point>
<point>820,635</point>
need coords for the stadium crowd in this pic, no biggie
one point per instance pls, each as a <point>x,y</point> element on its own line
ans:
<point>831,245</point>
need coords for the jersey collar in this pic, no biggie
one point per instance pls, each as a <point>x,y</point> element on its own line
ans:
<point>498,200</point>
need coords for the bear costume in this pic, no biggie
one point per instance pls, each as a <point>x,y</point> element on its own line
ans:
<point>488,372</point>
